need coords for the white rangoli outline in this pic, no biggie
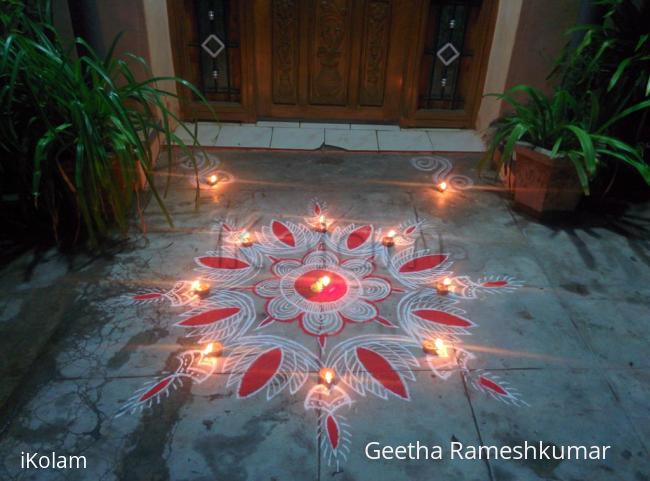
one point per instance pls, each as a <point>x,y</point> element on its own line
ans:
<point>381,365</point>
<point>441,168</point>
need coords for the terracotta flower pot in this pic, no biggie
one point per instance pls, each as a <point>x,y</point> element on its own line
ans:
<point>544,184</point>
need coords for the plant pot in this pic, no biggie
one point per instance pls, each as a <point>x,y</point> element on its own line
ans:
<point>545,184</point>
<point>507,169</point>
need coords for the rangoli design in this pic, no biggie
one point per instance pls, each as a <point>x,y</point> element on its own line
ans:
<point>442,171</point>
<point>202,167</point>
<point>321,277</point>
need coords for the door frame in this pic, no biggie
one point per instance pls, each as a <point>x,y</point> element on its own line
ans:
<point>256,63</point>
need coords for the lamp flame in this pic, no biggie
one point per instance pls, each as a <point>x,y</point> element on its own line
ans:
<point>200,289</point>
<point>389,238</point>
<point>441,348</point>
<point>327,375</point>
<point>321,283</point>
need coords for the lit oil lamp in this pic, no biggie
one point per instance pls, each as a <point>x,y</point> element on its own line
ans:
<point>389,239</point>
<point>245,239</point>
<point>200,289</point>
<point>322,224</point>
<point>436,347</point>
<point>213,180</point>
<point>444,286</point>
<point>441,348</point>
<point>321,284</point>
<point>212,351</point>
<point>326,376</point>
<point>442,186</point>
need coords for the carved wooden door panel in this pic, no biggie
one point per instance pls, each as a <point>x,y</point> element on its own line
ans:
<point>416,62</point>
<point>329,59</point>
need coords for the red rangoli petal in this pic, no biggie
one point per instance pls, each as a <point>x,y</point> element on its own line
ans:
<point>423,263</point>
<point>156,389</point>
<point>495,284</point>
<point>283,234</point>
<point>332,431</point>
<point>441,317</point>
<point>219,262</point>
<point>359,236</point>
<point>260,372</point>
<point>210,317</point>
<point>492,386</point>
<point>382,371</point>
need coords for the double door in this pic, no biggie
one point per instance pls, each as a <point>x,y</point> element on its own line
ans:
<point>413,62</point>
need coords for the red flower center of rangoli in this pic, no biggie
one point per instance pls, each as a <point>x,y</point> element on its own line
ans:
<point>333,291</point>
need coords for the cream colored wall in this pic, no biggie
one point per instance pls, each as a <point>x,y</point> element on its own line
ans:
<point>505,33</point>
<point>160,50</point>
<point>528,37</point>
<point>541,35</point>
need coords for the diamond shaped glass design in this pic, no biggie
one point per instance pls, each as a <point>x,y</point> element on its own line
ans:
<point>208,44</point>
<point>447,54</point>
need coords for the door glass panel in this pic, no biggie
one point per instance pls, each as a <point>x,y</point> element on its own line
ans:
<point>445,58</point>
<point>219,46</point>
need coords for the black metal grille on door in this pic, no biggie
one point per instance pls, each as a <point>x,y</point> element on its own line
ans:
<point>219,60</point>
<point>444,59</point>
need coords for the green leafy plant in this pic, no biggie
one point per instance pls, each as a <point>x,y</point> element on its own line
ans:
<point>568,128</point>
<point>75,127</point>
<point>612,60</point>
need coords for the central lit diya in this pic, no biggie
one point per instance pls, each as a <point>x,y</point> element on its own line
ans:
<point>321,285</point>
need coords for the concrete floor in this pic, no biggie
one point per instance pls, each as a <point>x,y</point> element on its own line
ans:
<point>550,327</point>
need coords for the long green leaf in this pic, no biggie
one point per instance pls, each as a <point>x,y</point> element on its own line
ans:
<point>588,151</point>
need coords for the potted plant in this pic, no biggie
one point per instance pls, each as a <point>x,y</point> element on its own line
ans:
<point>611,58</point>
<point>554,146</point>
<point>76,130</point>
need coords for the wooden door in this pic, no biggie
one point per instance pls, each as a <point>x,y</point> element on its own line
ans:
<point>330,59</point>
<point>416,62</point>
<point>443,79</point>
<point>212,47</point>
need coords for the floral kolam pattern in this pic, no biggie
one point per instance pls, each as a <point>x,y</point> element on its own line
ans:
<point>284,265</point>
